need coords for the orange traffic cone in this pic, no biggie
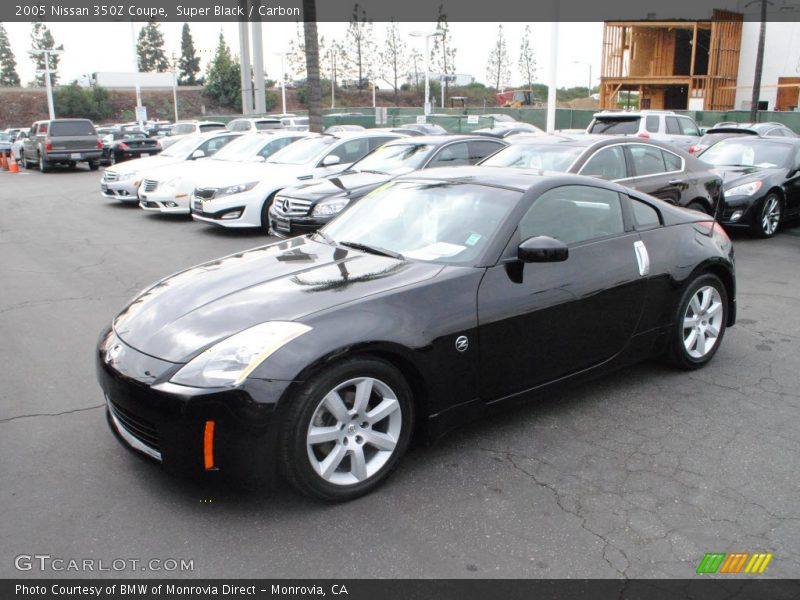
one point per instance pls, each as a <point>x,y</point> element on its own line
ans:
<point>4,162</point>
<point>13,167</point>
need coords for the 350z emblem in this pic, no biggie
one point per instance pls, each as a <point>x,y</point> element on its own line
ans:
<point>462,343</point>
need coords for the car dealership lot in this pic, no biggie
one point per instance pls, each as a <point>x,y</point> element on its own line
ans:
<point>638,474</point>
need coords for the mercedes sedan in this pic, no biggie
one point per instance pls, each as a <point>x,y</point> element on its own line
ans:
<point>438,297</point>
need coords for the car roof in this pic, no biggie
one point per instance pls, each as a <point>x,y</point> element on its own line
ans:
<point>520,180</point>
<point>633,113</point>
<point>588,141</point>
<point>748,139</point>
<point>440,140</point>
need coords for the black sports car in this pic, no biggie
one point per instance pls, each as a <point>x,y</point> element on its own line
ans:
<point>727,130</point>
<point>649,166</point>
<point>123,145</point>
<point>762,181</point>
<point>438,297</point>
<point>309,206</point>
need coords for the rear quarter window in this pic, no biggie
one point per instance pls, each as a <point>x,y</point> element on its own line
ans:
<point>644,215</point>
<point>615,126</point>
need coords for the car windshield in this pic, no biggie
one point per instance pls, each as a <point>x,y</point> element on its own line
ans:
<point>264,125</point>
<point>133,136</point>
<point>615,126</point>
<point>67,128</point>
<point>183,146</point>
<point>396,159</point>
<point>446,222</point>
<point>211,126</point>
<point>546,157</point>
<point>303,150</point>
<point>733,152</point>
<point>243,148</point>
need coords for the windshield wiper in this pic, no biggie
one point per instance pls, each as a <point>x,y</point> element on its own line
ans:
<point>373,171</point>
<point>373,249</point>
<point>324,236</point>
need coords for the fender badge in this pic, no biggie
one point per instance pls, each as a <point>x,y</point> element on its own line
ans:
<point>462,343</point>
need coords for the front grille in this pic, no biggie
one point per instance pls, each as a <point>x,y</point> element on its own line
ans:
<point>150,185</point>
<point>292,207</point>
<point>110,176</point>
<point>142,429</point>
<point>205,193</point>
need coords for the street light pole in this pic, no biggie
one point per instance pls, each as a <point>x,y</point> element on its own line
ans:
<point>48,52</point>
<point>175,85</point>
<point>333,77</point>
<point>580,62</point>
<point>427,36</point>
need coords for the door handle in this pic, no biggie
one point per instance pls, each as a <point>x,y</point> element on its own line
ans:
<point>675,181</point>
<point>642,258</point>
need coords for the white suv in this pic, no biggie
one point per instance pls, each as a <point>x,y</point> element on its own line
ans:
<point>662,125</point>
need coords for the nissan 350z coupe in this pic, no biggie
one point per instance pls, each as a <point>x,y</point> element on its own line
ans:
<point>439,296</point>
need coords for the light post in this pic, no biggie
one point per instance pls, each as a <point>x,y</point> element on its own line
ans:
<point>580,62</point>
<point>427,36</point>
<point>283,81</point>
<point>175,85</point>
<point>47,54</point>
<point>333,77</point>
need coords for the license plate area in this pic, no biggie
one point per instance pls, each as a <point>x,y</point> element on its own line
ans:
<point>76,155</point>
<point>281,225</point>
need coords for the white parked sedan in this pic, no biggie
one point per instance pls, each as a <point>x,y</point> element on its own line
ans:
<point>168,189</point>
<point>240,196</point>
<point>121,182</point>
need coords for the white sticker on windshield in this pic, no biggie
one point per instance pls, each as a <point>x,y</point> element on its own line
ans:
<point>435,251</point>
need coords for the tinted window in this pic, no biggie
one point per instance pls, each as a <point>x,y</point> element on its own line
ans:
<point>453,155</point>
<point>672,126</point>
<point>276,145</point>
<point>480,150</point>
<point>548,157</point>
<point>377,142</point>
<point>214,144</point>
<point>687,126</point>
<point>68,128</point>
<point>644,215</point>
<point>672,161</point>
<point>211,126</point>
<point>647,160</point>
<point>352,150</point>
<point>608,163</point>
<point>238,125</point>
<point>574,214</point>
<point>651,123</point>
<point>264,125</point>
<point>624,126</point>
<point>759,153</point>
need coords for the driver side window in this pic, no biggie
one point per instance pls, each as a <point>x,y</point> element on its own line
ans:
<point>574,214</point>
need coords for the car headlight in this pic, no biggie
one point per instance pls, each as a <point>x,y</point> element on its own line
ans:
<point>330,207</point>
<point>235,189</point>
<point>229,362</point>
<point>746,189</point>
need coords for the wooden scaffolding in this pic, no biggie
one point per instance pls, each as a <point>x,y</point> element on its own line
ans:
<point>681,65</point>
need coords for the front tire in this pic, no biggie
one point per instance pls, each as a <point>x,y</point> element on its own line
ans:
<point>700,323</point>
<point>766,223</point>
<point>346,429</point>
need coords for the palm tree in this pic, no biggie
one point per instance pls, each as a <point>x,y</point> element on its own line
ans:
<point>312,66</point>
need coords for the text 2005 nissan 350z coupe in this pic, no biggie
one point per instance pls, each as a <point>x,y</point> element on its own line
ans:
<point>439,296</point>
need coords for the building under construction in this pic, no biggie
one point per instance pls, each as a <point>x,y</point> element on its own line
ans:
<point>673,65</point>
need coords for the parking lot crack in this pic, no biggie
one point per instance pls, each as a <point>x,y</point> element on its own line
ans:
<point>58,414</point>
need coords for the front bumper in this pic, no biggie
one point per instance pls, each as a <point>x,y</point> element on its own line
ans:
<point>738,211</point>
<point>124,190</point>
<point>167,423</point>
<point>215,212</point>
<point>285,226</point>
<point>65,156</point>
<point>165,203</point>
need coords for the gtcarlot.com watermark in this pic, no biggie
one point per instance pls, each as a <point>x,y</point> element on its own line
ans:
<point>45,563</point>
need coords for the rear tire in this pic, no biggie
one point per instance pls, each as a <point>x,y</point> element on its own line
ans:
<point>698,206</point>
<point>345,429</point>
<point>93,165</point>
<point>44,165</point>
<point>768,218</point>
<point>701,318</point>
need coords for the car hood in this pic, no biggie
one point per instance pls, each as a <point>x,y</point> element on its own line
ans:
<point>234,173</point>
<point>141,164</point>
<point>348,183</point>
<point>190,310</point>
<point>185,169</point>
<point>735,175</point>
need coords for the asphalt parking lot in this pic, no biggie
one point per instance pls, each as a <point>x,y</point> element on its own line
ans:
<point>635,475</point>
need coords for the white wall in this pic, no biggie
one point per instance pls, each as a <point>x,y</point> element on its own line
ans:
<point>781,59</point>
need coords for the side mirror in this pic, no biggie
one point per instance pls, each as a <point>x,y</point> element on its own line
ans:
<point>331,160</point>
<point>198,154</point>
<point>542,249</point>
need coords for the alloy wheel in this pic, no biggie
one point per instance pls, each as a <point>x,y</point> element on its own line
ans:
<point>702,322</point>
<point>770,215</point>
<point>354,431</point>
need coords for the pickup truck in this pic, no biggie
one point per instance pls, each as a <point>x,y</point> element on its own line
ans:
<point>62,141</point>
